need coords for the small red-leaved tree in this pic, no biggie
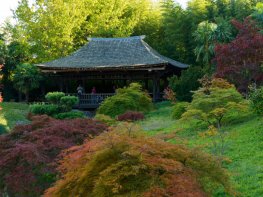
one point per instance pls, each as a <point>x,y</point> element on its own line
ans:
<point>240,60</point>
<point>28,154</point>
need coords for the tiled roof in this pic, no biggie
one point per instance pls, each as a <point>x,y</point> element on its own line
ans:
<point>112,53</point>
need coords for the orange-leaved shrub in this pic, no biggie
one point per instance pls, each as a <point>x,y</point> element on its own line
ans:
<point>118,164</point>
<point>28,154</point>
<point>131,116</point>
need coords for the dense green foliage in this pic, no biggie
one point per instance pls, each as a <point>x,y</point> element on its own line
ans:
<point>213,101</point>
<point>131,98</point>
<point>54,97</point>
<point>256,100</point>
<point>67,102</point>
<point>42,108</point>
<point>115,164</point>
<point>186,83</point>
<point>26,77</point>
<point>179,109</point>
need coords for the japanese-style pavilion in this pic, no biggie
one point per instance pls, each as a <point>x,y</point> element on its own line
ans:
<point>112,59</point>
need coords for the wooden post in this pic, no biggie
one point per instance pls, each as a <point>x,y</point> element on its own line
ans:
<point>60,85</point>
<point>146,84</point>
<point>43,90</point>
<point>156,88</point>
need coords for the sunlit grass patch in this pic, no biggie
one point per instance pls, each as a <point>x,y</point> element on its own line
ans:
<point>12,114</point>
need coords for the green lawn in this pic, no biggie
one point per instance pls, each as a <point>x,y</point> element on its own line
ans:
<point>12,114</point>
<point>244,145</point>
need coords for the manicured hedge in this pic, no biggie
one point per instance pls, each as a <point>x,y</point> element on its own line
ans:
<point>70,115</point>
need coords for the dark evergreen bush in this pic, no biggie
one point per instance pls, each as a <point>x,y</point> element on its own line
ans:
<point>186,83</point>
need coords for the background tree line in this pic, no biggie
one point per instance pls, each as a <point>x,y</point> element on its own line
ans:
<point>46,30</point>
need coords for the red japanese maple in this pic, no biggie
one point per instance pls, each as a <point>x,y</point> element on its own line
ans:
<point>240,60</point>
<point>29,153</point>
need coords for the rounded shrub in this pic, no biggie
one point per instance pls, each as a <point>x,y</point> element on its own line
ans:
<point>54,97</point>
<point>70,115</point>
<point>68,102</point>
<point>131,98</point>
<point>131,116</point>
<point>48,109</point>
<point>179,109</point>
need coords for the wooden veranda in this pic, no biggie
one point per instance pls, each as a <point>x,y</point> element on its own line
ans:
<point>110,61</point>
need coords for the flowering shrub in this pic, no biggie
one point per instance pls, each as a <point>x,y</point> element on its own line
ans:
<point>117,164</point>
<point>29,152</point>
<point>131,116</point>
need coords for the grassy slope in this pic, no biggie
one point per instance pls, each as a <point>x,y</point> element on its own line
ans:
<point>12,114</point>
<point>245,145</point>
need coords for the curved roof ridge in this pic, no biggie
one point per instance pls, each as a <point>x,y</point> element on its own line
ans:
<point>117,38</point>
<point>113,52</point>
<point>167,59</point>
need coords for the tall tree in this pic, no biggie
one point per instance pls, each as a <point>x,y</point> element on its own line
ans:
<point>54,28</point>
<point>26,77</point>
<point>240,60</point>
<point>205,37</point>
